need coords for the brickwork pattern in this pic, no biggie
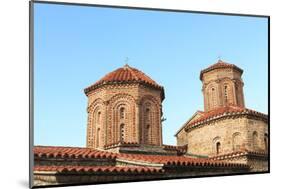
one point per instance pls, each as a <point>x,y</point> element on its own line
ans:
<point>222,87</point>
<point>124,112</point>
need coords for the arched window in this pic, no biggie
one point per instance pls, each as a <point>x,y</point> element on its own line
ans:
<point>99,117</point>
<point>266,142</point>
<point>255,140</point>
<point>98,137</point>
<point>122,113</point>
<point>213,97</point>
<point>122,132</point>
<point>218,148</point>
<point>225,93</point>
<point>147,114</point>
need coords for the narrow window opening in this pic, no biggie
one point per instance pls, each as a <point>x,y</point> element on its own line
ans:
<point>122,132</point>
<point>122,113</point>
<point>225,93</point>
<point>255,140</point>
<point>99,117</point>
<point>218,147</point>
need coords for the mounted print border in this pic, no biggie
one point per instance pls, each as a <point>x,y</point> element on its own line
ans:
<point>124,103</point>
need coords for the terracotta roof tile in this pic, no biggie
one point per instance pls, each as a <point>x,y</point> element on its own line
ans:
<point>219,64</point>
<point>98,169</point>
<point>177,160</point>
<point>224,111</point>
<point>124,74</point>
<point>71,152</point>
<point>237,154</point>
<point>167,160</point>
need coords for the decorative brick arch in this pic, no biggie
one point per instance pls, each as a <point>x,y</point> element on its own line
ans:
<point>150,120</point>
<point>227,92</point>
<point>96,124</point>
<point>116,103</point>
<point>94,104</point>
<point>151,98</point>
<point>212,95</point>
<point>217,145</point>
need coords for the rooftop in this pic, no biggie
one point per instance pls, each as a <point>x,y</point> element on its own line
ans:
<point>139,160</point>
<point>225,111</point>
<point>218,65</point>
<point>125,74</point>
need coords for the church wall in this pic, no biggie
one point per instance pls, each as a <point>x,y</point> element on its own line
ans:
<point>182,138</point>
<point>233,134</point>
<point>261,128</point>
<point>131,97</point>
<point>153,133</point>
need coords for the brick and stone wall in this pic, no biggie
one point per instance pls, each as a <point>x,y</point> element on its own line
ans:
<point>232,134</point>
<point>124,112</point>
<point>222,87</point>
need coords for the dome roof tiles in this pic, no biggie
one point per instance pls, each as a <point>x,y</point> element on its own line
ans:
<point>126,74</point>
<point>218,65</point>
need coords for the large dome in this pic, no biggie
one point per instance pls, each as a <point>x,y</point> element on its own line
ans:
<point>126,74</point>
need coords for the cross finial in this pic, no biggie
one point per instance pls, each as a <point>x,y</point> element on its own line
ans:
<point>219,58</point>
<point>126,62</point>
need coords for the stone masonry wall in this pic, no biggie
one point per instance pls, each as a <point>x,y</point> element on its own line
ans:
<point>233,134</point>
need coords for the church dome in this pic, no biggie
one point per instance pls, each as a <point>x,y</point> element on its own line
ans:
<point>125,74</point>
<point>220,64</point>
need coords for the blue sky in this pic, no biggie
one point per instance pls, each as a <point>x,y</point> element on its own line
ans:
<point>75,46</point>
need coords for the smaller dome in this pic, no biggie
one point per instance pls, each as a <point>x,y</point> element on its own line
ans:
<point>126,74</point>
<point>220,64</point>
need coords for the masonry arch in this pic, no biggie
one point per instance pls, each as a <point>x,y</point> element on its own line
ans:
<point>236,141</point>
<point>122,127</point>
<point>217,146</point>
<point>150,112</point>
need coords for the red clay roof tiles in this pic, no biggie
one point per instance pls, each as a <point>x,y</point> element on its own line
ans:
<point>168,160</point>
<point>219,64</point>
<point>239,153</point>
<point>225,111</point>
<point>71,152</point>
<point>98,169</point>
<point>124,74</point>
<point>177,160</point>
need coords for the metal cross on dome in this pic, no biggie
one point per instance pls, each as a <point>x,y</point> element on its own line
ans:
<point>126,62</point>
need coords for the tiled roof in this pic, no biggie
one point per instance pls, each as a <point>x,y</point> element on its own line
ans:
<point>220,64</point>
<point>238,153</point>
<point>224,111</point>
<point>71,152</point>
<point>167,160</point>
<point>123,75</point>
<point>97,169</point>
